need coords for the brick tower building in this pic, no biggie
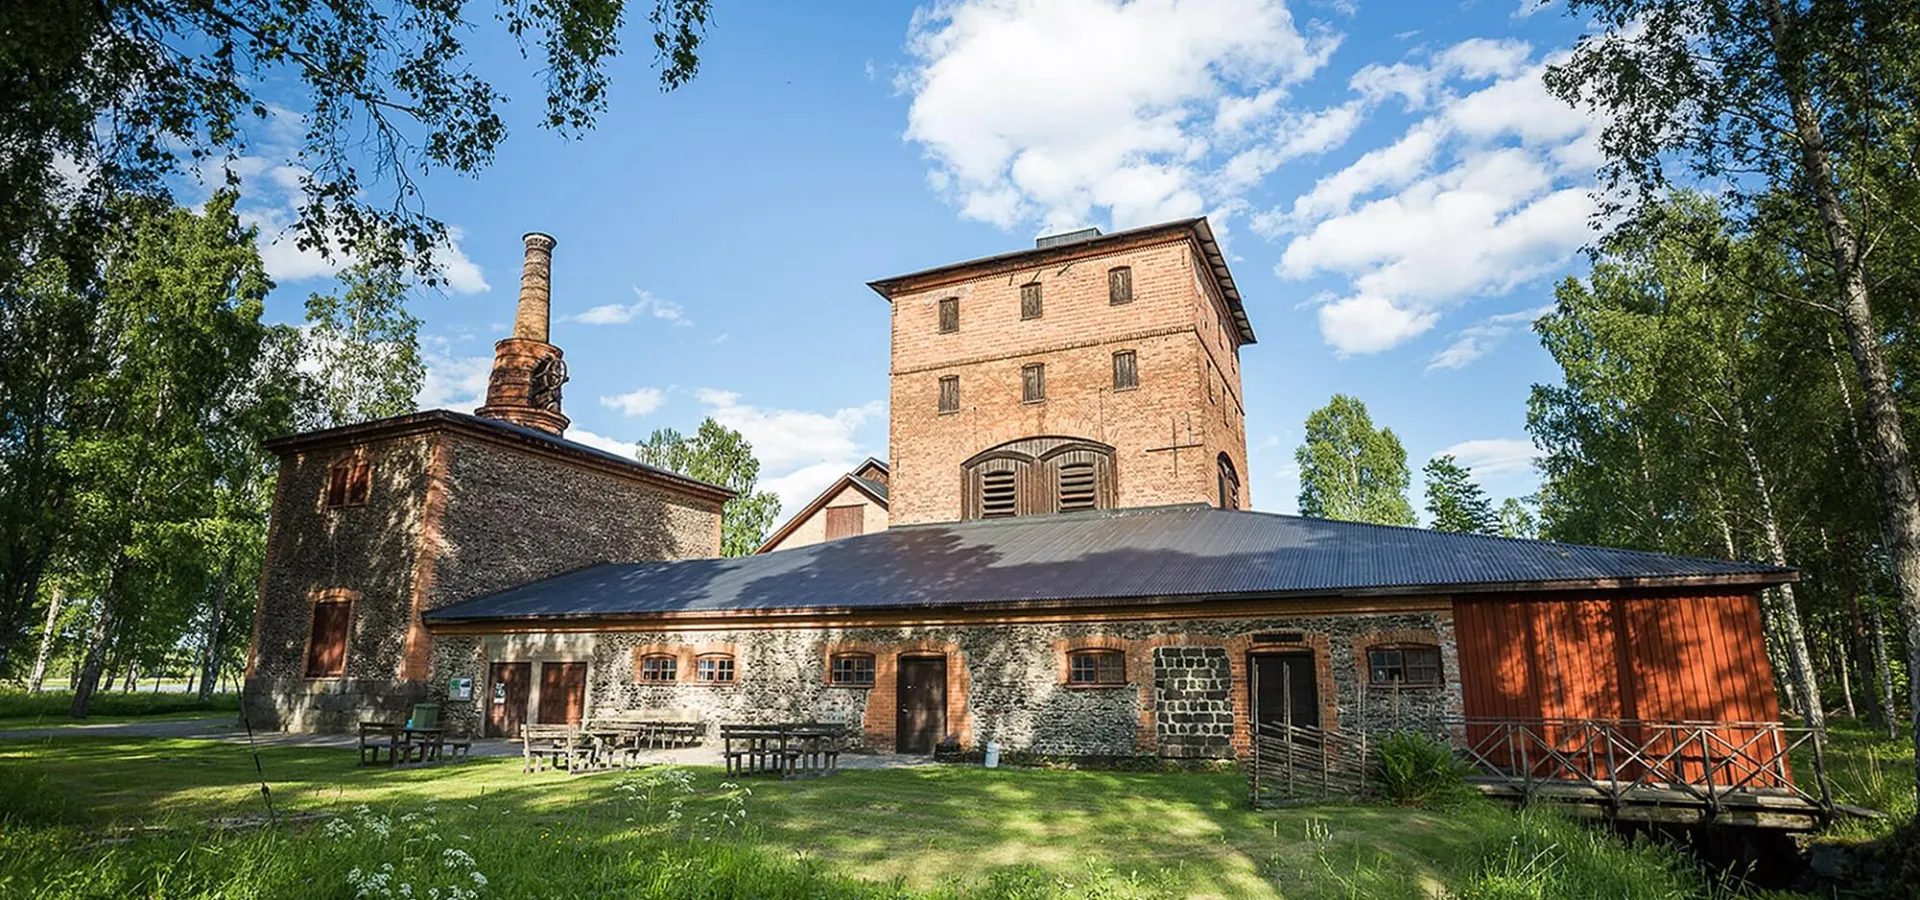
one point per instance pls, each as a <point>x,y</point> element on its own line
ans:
<point>1090,372</point>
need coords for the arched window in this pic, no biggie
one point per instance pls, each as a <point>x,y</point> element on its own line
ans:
<point>1408,665</point>
<point>713,668</point>
<point>1038,475</point>
<point>851,670</point>
<point>1097,667</point>
<point>659,667</point>
<point>1229,484</point>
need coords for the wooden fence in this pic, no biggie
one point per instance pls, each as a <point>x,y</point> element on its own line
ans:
<point>1298,762</point>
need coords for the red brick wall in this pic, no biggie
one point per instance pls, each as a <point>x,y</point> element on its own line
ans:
<point>1166,433</point>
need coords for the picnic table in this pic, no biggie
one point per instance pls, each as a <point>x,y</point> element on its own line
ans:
<point>788,749</point>
<point>387,743</point>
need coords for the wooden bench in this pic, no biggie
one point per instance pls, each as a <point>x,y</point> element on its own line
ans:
<point>544,745</point>
<point>788,749</point>
<point>378,738</point>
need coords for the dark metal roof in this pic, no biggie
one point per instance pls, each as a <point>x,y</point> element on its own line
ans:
<point>877,488</point>
<point>429,419</point>
<point>1160,554</point>
<point>1198,227</point>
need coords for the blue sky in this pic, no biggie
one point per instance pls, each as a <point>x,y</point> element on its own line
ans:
<point>1396,192</point>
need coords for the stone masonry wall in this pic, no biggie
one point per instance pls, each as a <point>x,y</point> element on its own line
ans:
<point>1193,692</point>
<point>1006,683</point>
<point>500,517</point>
<point>365,551</point>
<point>1174,327</point>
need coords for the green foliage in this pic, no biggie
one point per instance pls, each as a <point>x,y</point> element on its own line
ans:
<point>1516,520</point>
<point>364,347</point>
<point>1454,501</point>
<point>1413,769</point>
<point>719,455</point>
<point>1350,470</point>
<point>53,705</point>
<point>1539,854</point>
<point>123,93</point>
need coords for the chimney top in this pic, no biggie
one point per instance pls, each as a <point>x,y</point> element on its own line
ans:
<point>528,370</point>
<point>1065,237</point>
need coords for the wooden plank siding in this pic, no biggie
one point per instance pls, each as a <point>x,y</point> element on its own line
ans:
<point>1631,656</point>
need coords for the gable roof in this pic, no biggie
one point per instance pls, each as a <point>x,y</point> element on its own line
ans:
<point>496,431</point>
<point>1130,556</point>
<point>877,490</point>
<point>1196,228</point>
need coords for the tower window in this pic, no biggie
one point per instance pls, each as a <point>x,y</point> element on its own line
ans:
<point>949,393</point>
<point>1120,285</point>
<point>1229,484</point>
<point>999,495</point>
<point>1033,383</point>
<point>949,315</point>
<point>1077,487</point>
<point>1126,371</point>
<point>349,483</point>
<point>327,638</point>
<point>1030,301</point>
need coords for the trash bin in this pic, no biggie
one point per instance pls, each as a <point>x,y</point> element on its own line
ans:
<point>993,754</point>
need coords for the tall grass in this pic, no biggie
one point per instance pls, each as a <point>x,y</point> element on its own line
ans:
<point>1538,854</point>
<point>53,705</point>
<point>1416,770</point>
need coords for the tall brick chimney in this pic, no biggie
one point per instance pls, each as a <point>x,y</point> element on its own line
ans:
<point>527,370</point>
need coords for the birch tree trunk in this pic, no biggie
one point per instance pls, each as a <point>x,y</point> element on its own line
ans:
<point>99,639</point>
<point>39,677</point>
<point>1786,607</point>
<point>1886,671</point>
<point>1893,461</point>
<point>210,664</point>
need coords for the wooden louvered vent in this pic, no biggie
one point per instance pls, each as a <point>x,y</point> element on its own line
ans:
<point>1077,487</point>
<point>999,495</point>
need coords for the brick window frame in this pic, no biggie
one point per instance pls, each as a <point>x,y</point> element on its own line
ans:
<point>949,315</point>
<point>1119,285</point>
<point>340,602</point>
<point>1031,301</point>
<point>682,656</point>
<point>708,668</point>
<point>1126,370</point>
<point>349,482</point>
<point>1364,644</point>
<point>853,659</point>
<point>1033,383</point>
<point>1400,658</point>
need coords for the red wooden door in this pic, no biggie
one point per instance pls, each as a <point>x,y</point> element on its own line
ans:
<point>563,693</point>
<point>507,698</point>
<point>922,688</point>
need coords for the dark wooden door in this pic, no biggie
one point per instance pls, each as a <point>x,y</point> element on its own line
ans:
<point>507,698</point>
<point>563,693</point>
<point>1284,689</point>
<point>923,703</point>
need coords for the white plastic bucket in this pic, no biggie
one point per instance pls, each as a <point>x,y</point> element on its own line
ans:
<point>993,754</point>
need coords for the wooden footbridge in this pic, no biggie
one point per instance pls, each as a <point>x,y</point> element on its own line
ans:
<point>1682,773</point>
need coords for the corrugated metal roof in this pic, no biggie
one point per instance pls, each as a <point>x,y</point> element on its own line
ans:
<point>1162,553</point>
<point>878,488</point>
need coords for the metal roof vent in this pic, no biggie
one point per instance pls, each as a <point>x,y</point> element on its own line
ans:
<point>1065,237</point>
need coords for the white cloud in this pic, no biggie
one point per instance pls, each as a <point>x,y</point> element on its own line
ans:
<point>787,439</point>
<point>645,304</point>
<point>1042,111</point>
<point>1488,189</point>
<point>601,442</point>
<point>1529,7</point>
<point>453,382</point>
<point>797,488</point>
<point>638,402</point>
<point>1470,344</point>
<point>1497,462</point>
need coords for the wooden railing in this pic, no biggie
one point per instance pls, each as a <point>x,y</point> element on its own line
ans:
<point>1628,760</point>
<point>1614,762</point>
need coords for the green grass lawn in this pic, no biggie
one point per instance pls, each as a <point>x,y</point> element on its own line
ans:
<point>1866,768</point>
<point>48,709</point>
<point>925,832</point>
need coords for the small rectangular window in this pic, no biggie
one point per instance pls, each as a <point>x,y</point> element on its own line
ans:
<point>1120,285</point>
<point>1030,301</point>
<point>659,667</point>
<point>845,521</point>
<point>1406,664</point>
<point>349,483</point>
<point>1126,372</point>
<point>1210,398</point>
<point>716,669</point>
<point>1097,667</point>
<point>949,315</point>
<point>1033,383</point>
<point>854,669</point>
<point>949,393</point>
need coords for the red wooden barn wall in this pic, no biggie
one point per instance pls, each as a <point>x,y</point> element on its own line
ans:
<point>1615,655</point>
<point>1618,655</point>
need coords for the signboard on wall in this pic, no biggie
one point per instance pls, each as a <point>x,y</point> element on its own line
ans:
<point>460,689</point>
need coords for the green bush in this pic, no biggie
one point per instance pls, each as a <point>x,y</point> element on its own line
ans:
<point>54,704</point>
<point>1415,770</point>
